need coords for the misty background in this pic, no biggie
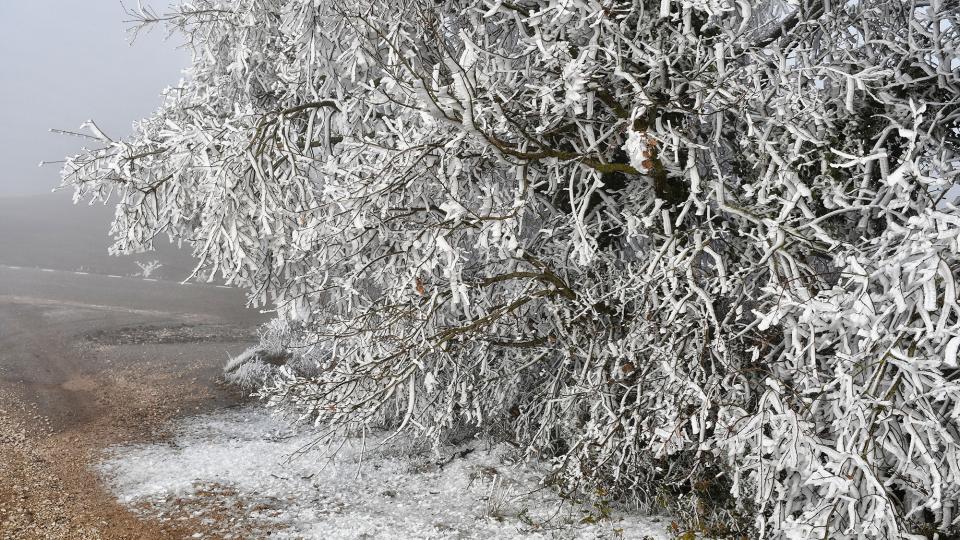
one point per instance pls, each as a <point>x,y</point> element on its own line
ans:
<point>63,62</point>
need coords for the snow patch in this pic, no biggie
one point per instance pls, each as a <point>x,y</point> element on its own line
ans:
<point>265,471</point>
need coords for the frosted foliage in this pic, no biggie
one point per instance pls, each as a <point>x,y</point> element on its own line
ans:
<point>682,248</point>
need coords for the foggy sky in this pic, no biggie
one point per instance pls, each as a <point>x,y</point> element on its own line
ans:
<point>63,62</point>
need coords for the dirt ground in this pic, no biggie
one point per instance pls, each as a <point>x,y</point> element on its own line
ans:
<point>75,380</point>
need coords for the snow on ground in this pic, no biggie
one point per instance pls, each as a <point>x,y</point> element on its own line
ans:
<point>239,473</point>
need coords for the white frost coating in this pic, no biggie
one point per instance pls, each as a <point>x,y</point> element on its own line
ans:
<point>753,203</point>
<point>638,148</point>
<point>950,352</point>
<point>245,458</point>
<point>574,85</point>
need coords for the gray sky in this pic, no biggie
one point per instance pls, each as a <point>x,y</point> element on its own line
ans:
<point>63,62</point>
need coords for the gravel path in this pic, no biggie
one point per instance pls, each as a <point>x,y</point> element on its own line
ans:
<point>77,377</point>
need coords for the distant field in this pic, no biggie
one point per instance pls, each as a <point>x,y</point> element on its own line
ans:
<point>48,231</point>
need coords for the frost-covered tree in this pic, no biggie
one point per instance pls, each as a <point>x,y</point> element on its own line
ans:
<point>148,268</point>
<point>683,248</point>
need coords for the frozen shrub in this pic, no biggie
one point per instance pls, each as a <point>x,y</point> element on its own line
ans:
<point>275,356</point>
<point>681,248</point>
